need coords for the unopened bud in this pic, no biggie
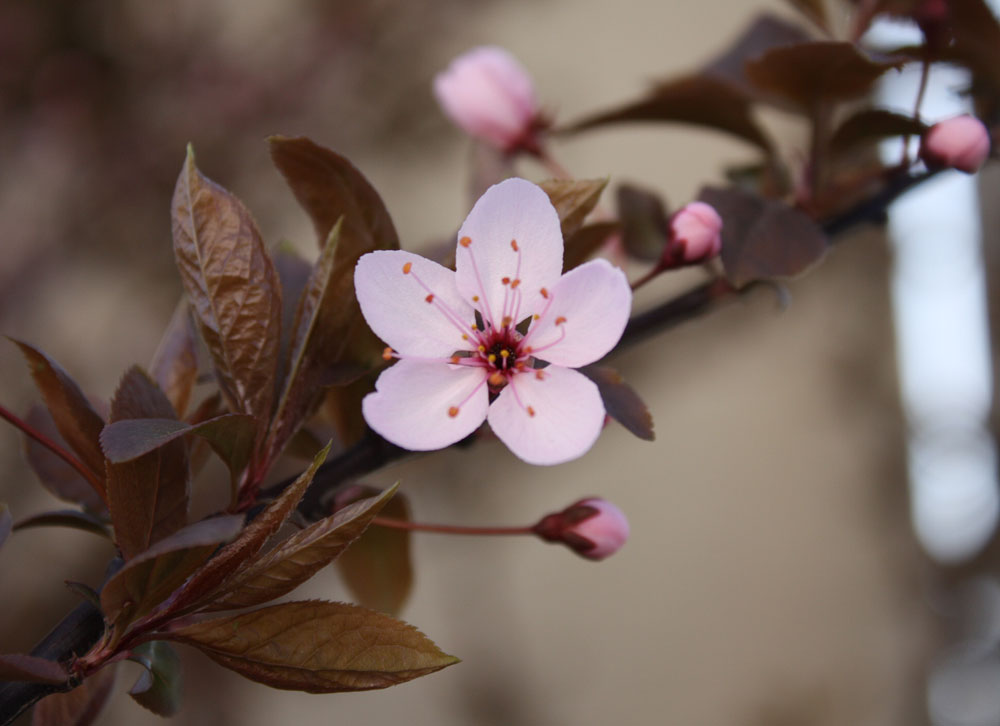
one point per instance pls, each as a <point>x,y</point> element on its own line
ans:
<point>593,528</point>
<point>695,234</point>
<point>961,143</point>
<point>490,96</point>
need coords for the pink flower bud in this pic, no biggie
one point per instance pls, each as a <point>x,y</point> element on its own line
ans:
<point>490,96</point>
<point>593,528</point>
<point>695,233</point>
<point>961,143</point>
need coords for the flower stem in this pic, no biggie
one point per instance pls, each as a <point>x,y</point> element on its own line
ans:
<point>390,523</point>
<point>55,448</point>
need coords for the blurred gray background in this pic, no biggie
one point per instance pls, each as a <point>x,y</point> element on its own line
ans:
<point>772,577</point>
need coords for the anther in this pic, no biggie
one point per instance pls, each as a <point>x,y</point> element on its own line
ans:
<point>545,293</point>
<point>387,354</point>
<point>515,283</point>
<point>505,281</point>
<point>491,358</point>
<point>455,359</point>
<point>465,241</point>
<point>506,321</point>
<point>407,267</point>
<point>481,348</point>
<point>560,320</point>
<point>453,411</point>
<point>536,316</point>
<point>464,336</point>
<point>474,326</point>
<point>513,244</point>
<point>496,379</point>
<point>528,349</point>
<point>540,375</point>
<point>475,298</point>
<point>504,353</point>
<point>531,411</point>
<point>430,298</point>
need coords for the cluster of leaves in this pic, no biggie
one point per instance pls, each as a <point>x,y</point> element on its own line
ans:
<point>774,211</point>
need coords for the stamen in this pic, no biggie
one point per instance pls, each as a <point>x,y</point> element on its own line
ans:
<point>448,313</point>
<point>505,323</point>
<point>430,298</point>
<point>497,379</point>
<point>504,353</point>
<point>545,293</point>
<point>491,358</point>
<point>531,411</point>
<point>464,336</point>
<point>513,245</point>
<point>387,353</point>
<point>515,282</point>
<point>475,298</point>
<point>540,375</point>
<point>481,348</point>
<point>407,267</point>
<point>505,281</point>
<point>453,411</point>
<point>465,241</point>
<point>456,359</point>
<point>560,320</point>
<point>468,398</point>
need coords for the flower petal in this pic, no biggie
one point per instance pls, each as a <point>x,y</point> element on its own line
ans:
<point>548,416</point>
<point>395,305</point>
<point>411,403</point>
<point>512,232</point>
<point>590,308</point>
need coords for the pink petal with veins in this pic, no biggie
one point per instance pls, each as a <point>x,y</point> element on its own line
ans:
<point>512,234</point>
<point>548,416</point>
<point>587,316</point>
<point>395,304</point>
<point>423,406</point>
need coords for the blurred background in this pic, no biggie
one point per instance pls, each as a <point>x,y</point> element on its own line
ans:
<point>773,576</point>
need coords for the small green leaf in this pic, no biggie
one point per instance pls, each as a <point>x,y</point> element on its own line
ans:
<point>763,239</point>
<point>72,518</point>
<point>299,557</point>
<point>150,577</point>
<point>73,415</point>
<point>17,667</point>
<point>377,568</point>
<point>573,199</point>
<point>79,707</point>
<point>158,687</point>
<point>621,401</point>
<point>232,287</point>
<point>317,647</point>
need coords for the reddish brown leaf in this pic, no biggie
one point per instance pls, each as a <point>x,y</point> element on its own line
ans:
<point>873,124</point>
<point>329,187</point>
<point>65,518</point>
<point>17,667</point>
<point>148,496</point>
<point>573,199</point>
<point>294,273</point>
<point>158,687</point>
<point>73,415</point>
<point>763,238</point>
<point>58,477</point>
<point>318,647</point>
<point>175,364</point>
<point>232,287</point>
<point>701,100</point>
<point>377,568</point>
<point>299,557</point>
<point>621,401</point>
<point>231,436</point>
<point>230,558</point>
<point>815,10</point>
<point>808,73</point>
<point>79,707</point>
<point>645,221</point>
<point>315,346</point>
<point>767,31</point>
<point>586,241</point>
<point>149,578</point>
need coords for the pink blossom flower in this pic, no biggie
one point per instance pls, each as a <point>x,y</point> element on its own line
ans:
<point>465,353</point>
<point>490,96</point>
<point>695,233</point>
<point>593,528</point>
<point>961,143</point>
